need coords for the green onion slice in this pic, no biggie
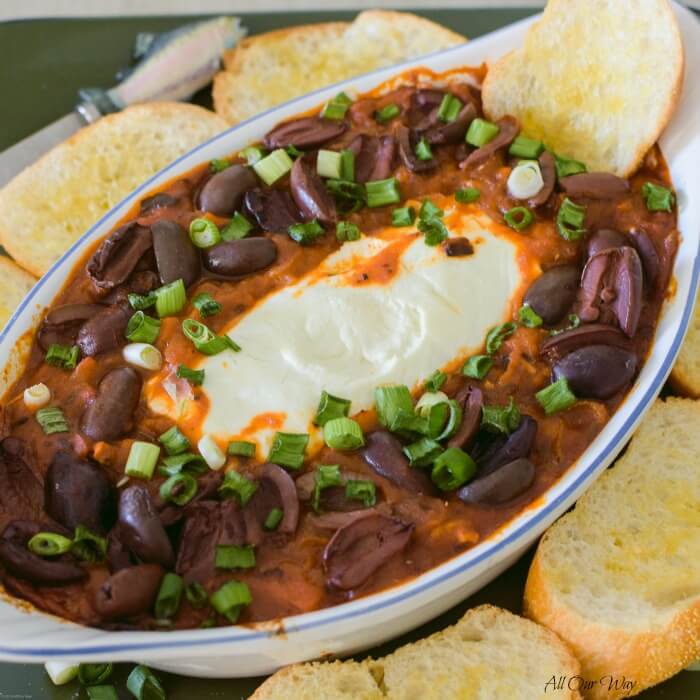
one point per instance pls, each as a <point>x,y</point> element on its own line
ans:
<point>273,166</point>
<point>170,298</point>
<point>192,463</point>
<point>556,397</point>
<point>389,401</point>
<point>524,147</point>
<point>288,449</point>
<point>51,420</point>
<point>349,196</point>
<point>423,452</point>
<point>496,336</point>
<point>193,376</point>
<point>230,598</point>
<point>307,233</point>
<point>218,164</point>
<point>423,150</point>
<point>142,460</point>
<point>241,448</point>
<point>204,233</point>
<point>477,366</point>
<point>326,475</point>
<point>434,230</point>
<point>204,340</point>
<point>231,556</point>
<point>519,218</point>
<point>88,546</point>
<point>238,227</point>
<point>235,485</point>
<point>346,231</point>
<point>501,419</point>
<point>253,154</point>
<point>570,220</point>
<point>361,490</point>
<point>387,113</point>
<point>328,164</point>
<point>330,407</point>
<point>658,198</point>
<point>404,216</point>
<point>449,109</point>
<point>347,165</point>
<point>140,302</point>
<point>174,442</point>
<point>453,421</point>
<point>101,692</point>
<point>467,195</point>
<point>169,596</point>
<point>430,210</point>
<point>336,108</point>
<point>480,132</point>
<point>142,328</point>
<point>273,519</point>
<point>452,469</point>
<point>382,192</point>
<point>528,317</point>
<point>143,685</point>
<point>435,381</point>
<point>196,595</point>
<point>64,356</point>
<point>179,489</point>
<point>94,674</point>
<point>293,152</point>
<point>49,544</point>
<point>343,434</point>
<point>567,166</point>
<point>206,305</point>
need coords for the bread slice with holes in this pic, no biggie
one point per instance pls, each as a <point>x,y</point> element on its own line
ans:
<point>685,375</point>
<point>618,578</point>
<point>54,201</point>
<point>265,70</point>
<point>490,653</point>
<point>15,284</point>
<point>597,80</point>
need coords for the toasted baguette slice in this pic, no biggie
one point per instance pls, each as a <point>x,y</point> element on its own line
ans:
<point>596,80</point>
<point>268,69</point>
<point>618,578</point>
<point>15,284</point>
<point>685,375</point>
<point>49,205</point>
<point>490,653</point>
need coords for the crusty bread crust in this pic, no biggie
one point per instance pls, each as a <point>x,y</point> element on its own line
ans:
<point>685,375</point>
<point>15,284</point>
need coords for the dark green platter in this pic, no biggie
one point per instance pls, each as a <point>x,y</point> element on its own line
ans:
<point>46,62</point>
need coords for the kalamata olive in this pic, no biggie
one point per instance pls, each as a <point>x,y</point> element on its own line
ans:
<point>508,129</point>
<point>454,131</point>
<point>77,492</point>
<point>162,200</point>
<point>384,164</point>
<point>310,194</point>
<point>553,293</point>
<point>20,562</point>
<point>471,400</point>
<point>274,210</point>
<point>549,178</point>
<point>458,247</point>
<point>129,592</point>
<point>604,238</point>
<point>110,415</point>
<point>309,132</point>
<point>223,193</point>
<point>62,324</point>
<point>596,371</point>
<point>238,258</point>
<point>384,453</point>
<point>176,255</point>
<point>140,528</point>
<point>21,492</point>
<point>587,334</point>
<point>611,289</point>
<point>338,519</point>
<point>276,489</point>
<point>118,556</point>
<point>104,331</point>
<point>594,185</point>
<point>651,263</point>
<point>504,450</point>
<point>407,150</point>
<point>500,486</point>
<point>364,147</point>
<point>117,256</point>
<point>357,550</point>
<point>332,498</point>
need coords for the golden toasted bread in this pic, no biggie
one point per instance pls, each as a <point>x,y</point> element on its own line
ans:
<point>490,653</point>
<point>618,578</point>
<point>596,80</point>
<point>268,69</point>
<point>50,204</point>
<point>15,283</point>
<point>685,375</point>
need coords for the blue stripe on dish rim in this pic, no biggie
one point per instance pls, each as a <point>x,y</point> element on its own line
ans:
<point>337,614</point>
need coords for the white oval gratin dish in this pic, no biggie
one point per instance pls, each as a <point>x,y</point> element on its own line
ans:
<point>28,635</point>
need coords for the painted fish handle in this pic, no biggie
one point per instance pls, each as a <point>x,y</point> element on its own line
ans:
<point>174,66</point>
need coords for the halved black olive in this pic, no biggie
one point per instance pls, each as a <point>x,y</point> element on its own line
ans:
<point>471,400</point>
<point>104,331</point>
<point>507,449</point>
<point>594,185</point>
<point>553,293</point>
<point>309,132</point>
<point>117,256</point>
<point>129,592</point>
<point>176,255</point>
<point>274,210</point>
<point>508,130</point>
<point>238,258</point>
<point>604,238</point>
<point>223,193</point>
<point>504,484</point>
<point>384,453</point>
<point>310,194</point>
<point>407,151</point>
<point>587,334</point>
<point>549,178</point>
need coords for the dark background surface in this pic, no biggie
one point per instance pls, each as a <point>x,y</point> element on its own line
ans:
<point>44,64</point>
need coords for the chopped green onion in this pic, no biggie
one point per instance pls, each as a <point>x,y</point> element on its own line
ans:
<point>213,455</point>
<point>169,596</point>
<point>88,546</point>
<point>389,401</point>
<point>336,108</point>
<point>449,108</point>
<point>62,356</point>
<point>204,233</point>
<point>437,416</point>
<point>293,152</point>
<point>273,519</point>
<point>194,376</point>
<point>330,407</point>
<point>236,485</point>
<point>306,233</point>
<point>570,220</point>
<point>170,298</point>
<point>567,166</point>
<point>386,114</point>
<point>173,441</point>
<point>349,196</point>
<point>658,198</point>
<point>188,461</point>
<point>231,556</point>
<point>524,147</point>
<point>94,674</point>
<point>101,692</point>
<point>326,475</point>
<point>49,544</point>
<point>452,469</point>
<point>241,448</point>
<point>347,165</point>
<point>230,598</point>
<point>343,434</point>
<point>477,366</point>
<point>430,210</point>
<point>428,400</point>
<point>142,460</point>
<point>346,231</point>
<point>480,132</point>
<point>204,340</point>
<point>435,381</point>
<point>409,425</point>
<point>143,685</point>
<point>239,227</point>
<point>404,216</point>
<point>36,396</point>
<point>361,490</point>
<point>556,397</point>
<point>288,449</point>
<point>61,672</point>
<point>206,305</point>
<point>140,302</point>
<point>143,355</point>
<point>496,336</point>
<point>328,164</point>
<point>423,452</point>
<point>423,150</point>
<point>467,195</point>
<point>519,218</point>
<point>196,595</point>
<point>142,328</point>
<point>218,164</point>
<point>51,420</point>
<point>273,166</point>
<point>453,421</point>
<point>528,317</point>
<point>382,192</point>
<point>179,489</point>
<point>501,419</point>
<point>434,231</point>
<point>253,154</point>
